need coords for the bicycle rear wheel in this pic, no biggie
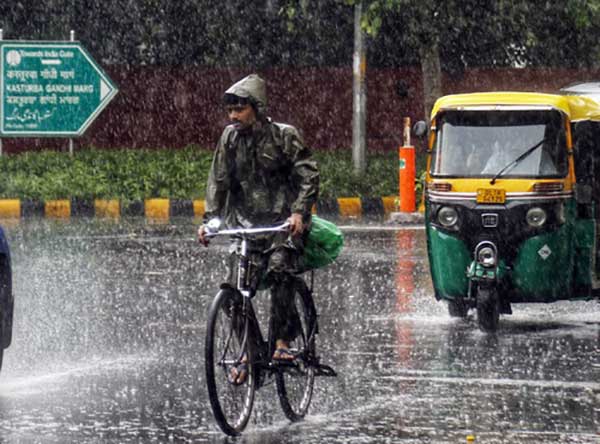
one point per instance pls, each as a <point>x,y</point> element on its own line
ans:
<point>231,403</point>
<point>295,381</point>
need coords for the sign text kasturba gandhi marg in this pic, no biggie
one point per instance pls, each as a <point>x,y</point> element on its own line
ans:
<point>50,89</point>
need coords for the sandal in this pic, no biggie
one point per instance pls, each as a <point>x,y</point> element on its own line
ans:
<point>284,354</point>
<point>238,374</point>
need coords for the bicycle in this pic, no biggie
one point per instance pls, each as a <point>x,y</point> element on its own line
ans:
<point>234,338</point>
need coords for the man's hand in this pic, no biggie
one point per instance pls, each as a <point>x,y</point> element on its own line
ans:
<point>202,236</point>
<point>296,224</point>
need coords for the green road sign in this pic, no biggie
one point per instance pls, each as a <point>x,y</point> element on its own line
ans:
<point>50,89</point>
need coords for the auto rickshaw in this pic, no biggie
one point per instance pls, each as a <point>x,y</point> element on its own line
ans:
<point>512,201</point>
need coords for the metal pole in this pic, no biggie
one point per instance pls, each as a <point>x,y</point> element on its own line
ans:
<point>70,138</point>
<point>406,132</point>
<point>359,111</point>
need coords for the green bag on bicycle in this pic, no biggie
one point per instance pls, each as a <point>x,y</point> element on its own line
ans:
<point>323,245</point>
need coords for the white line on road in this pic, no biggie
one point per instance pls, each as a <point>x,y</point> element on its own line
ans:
<point>585,385</point>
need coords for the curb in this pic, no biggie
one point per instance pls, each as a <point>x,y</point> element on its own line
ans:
<point>341,208</point>
<point>416,218</point>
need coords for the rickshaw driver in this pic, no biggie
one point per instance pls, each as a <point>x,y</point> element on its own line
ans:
<point>498,160</point>
<point>502,157</point>
<point>263,174</point>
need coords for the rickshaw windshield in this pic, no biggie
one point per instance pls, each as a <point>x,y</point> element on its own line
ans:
<point>481,143</point>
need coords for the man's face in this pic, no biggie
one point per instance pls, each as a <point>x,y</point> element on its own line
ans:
<point>241,116</point>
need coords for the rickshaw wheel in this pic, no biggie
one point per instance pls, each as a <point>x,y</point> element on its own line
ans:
<point>488,309</point>
<point>457,308</point>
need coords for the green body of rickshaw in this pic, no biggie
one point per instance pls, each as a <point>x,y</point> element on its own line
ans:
<point>512,201</point>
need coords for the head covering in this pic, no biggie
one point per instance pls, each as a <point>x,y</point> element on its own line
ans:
<point>252,88</point>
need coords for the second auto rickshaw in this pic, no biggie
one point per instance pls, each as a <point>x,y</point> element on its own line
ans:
<point>512,201</point>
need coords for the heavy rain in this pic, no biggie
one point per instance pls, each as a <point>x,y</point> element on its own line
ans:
<point>110,324</point>
<point>110,314</point>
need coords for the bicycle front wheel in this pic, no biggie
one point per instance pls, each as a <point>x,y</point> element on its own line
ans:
<point>226,349</point>
<point>295,382</point>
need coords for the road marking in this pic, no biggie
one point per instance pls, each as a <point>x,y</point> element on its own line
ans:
<point>584,385</point>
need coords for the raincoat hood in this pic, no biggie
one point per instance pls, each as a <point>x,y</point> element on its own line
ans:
<point>254,88</point>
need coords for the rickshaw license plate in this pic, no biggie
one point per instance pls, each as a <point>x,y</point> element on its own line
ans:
<point>490,195</point>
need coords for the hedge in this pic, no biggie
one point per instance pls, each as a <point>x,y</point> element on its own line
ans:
<point>132,175</point>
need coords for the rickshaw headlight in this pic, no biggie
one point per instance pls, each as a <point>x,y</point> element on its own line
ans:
<point>447,216</point>
<point>536,217</point>
<point>486,256</point>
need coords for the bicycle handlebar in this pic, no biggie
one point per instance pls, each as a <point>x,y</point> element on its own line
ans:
<point>247,231</point>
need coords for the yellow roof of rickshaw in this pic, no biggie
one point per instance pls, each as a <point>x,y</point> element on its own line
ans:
<point>575,107</point>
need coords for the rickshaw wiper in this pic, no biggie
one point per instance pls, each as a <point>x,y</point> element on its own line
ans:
<point>516,161</point>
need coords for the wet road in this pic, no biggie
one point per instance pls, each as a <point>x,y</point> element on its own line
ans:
<point>108,347</point>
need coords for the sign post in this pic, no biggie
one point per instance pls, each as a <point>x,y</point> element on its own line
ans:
<point>50,89</point>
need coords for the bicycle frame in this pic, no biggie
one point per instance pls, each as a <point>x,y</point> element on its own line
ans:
<point>247,293</point>
<point>242,345</point>
<point>262,349</point>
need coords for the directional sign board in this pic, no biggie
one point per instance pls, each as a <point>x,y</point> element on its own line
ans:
<point>50,89</point>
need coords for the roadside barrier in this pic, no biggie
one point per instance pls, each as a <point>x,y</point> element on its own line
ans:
<point>339,209</point>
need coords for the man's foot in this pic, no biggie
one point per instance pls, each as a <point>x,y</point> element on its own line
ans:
<point>238,373</point>
<point>282,351</point>
<point>283,354</point>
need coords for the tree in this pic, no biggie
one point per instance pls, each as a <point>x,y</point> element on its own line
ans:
<point>446,35</point>
<point>456,34</point>
<point>265,33</point>
<point>262,33</point>
<point>563,33</point>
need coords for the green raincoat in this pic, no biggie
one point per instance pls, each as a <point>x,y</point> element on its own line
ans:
<point>260,177</point>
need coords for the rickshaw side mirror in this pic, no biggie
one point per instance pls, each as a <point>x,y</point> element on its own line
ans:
<point>420,129</point>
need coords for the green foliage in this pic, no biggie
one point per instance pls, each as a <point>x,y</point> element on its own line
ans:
<point>339,180</point>
<point>476,33</point>
<point>267,33</point>
<point>131,175</point>
<point>110,174</point>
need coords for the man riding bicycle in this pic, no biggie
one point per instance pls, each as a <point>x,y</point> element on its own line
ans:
<point>261,175</point>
